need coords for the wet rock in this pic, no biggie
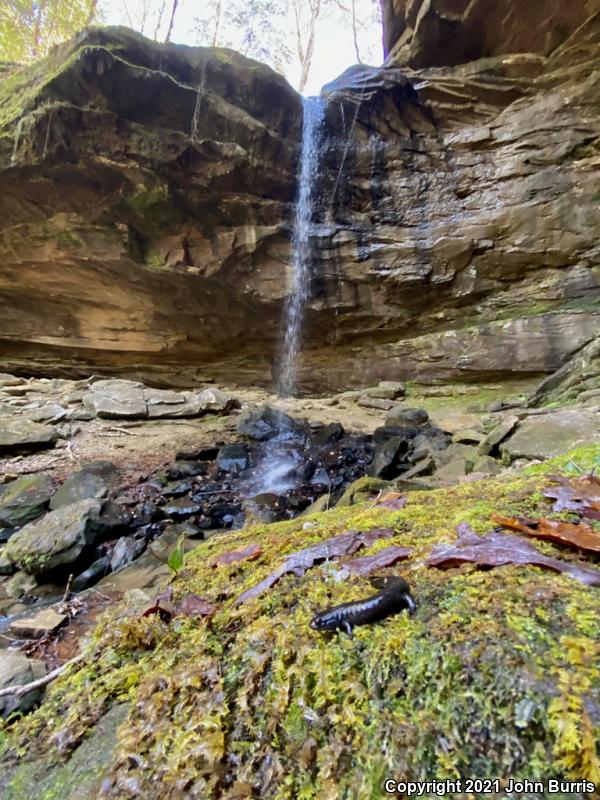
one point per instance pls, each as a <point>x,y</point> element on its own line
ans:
<point>58,538</point>
<point>266,423</point>
<point>430,441</point>
<point>332,432</point>
<point>181,509</point>
<point>126,550</point>
<point>187,469</point>
<point>177,489</point>
<point>19,435</point>
<point>34,627</point>
<point>423,467</point>
<point>20,585</point>
<point>390,458</point>
<point>264,507</point>
<point>320,478</point>
<point>18,670</point>
<point>92,574</point>
<point>167,541</point>
<point>497,435</point>
<point>95,480</point>
<point>385,432</point>
<point>551,434</point>
<point>6,533</point>
<point>206,453</point>
<point>25,499</point>
<point>233,457</point>
<point>403,416</point>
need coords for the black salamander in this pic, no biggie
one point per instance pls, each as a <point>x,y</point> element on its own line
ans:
<point>394,597</point>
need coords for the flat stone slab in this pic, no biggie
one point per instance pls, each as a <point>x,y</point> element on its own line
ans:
<point>547,435</point>
<point>21,435</point>
<point>17,670</point>
<point>38,625</point>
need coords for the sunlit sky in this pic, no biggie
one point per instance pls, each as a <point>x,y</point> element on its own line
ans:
<point>334,49</point>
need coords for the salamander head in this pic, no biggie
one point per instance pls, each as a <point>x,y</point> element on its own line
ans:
<point>318,623</point>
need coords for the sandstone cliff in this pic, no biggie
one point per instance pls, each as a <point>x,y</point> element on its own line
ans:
<point>146,195</point>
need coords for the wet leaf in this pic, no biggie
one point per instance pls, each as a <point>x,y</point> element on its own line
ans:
<point>581,537</point>
<point>249,553</point>
<point>393,500</point>
<point>344,544</point>
<point>387,557</point>
<point>496,549</point>
<point>581,495</point>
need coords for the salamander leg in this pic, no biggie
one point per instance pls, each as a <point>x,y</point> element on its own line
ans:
<point>346,627</point>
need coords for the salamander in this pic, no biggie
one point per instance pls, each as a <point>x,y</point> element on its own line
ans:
<point>394,597</point>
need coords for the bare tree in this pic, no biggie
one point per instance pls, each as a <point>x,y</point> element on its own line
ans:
<point>306,29</point>
<point>171,21</point>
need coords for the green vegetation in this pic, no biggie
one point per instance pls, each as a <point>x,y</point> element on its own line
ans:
<point>497,673</point>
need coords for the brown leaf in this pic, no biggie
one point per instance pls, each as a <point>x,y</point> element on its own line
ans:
<point>393,500</point>
<point>384,558</point>
<point>497,548</point>
<point>194,606</point>
<point>342,545</point>
<point>248,553</point>
<point>582,537</point>
<point>581,495</point>
<point>161,606</point>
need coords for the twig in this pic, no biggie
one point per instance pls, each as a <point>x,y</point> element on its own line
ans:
<point>67,589</point>
<point>123,430</point>
<point>19,691</point>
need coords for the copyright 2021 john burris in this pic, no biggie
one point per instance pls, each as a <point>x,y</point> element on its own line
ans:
<point>481,786</point>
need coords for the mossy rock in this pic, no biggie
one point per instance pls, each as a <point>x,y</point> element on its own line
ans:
<point>496,674</point>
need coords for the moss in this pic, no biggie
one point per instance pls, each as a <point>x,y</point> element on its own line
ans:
<point>495,675</point>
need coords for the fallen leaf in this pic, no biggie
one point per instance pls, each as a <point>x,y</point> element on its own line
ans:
<point>581,536</point>
<point>393,500</point>
<point>387,557</point>
<point>194,606</point>
<point>162,606</point>
<point>496,549</point>
<point>248,553</point>
<point>581,495</point>
<point>344,544</point>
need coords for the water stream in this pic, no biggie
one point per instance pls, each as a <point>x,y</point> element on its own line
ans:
<point>277,469</point>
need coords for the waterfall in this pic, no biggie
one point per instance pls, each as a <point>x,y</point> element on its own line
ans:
<point>313,114</point>
<point>277,469</point>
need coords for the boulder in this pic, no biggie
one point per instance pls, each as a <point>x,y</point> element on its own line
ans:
<point>18,670</point>
<point>25,499</point>
<point>329,433</point>
<point>22,435</point>
<point>497,435</point>
<point>217,402</point>
<point>267,423</point>
<point>126,550</point>
<point>233,457</point>
<point>92,574</point>
<point>362,489</point>
<point>390,458</point>
<point>93,481</point>
<point>58,538</point>
<point>367,401</point>
<point>551,434</point>
<point>20,585</point>
<point>400,416</point>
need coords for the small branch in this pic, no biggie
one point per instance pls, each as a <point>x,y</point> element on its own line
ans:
<point>67,589</point>
<point>123,430</point>
<point>19,691</point>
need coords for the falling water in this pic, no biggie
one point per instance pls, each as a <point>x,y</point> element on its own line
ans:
<point>282,458</point>
<point>314,109</point>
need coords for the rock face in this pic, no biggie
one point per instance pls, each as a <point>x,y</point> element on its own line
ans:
<point>455,233</point>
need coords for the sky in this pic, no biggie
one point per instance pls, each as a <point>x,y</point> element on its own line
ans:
<point>334,49</point>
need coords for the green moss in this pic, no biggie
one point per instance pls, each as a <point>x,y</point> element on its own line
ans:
<point>495,675</point>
